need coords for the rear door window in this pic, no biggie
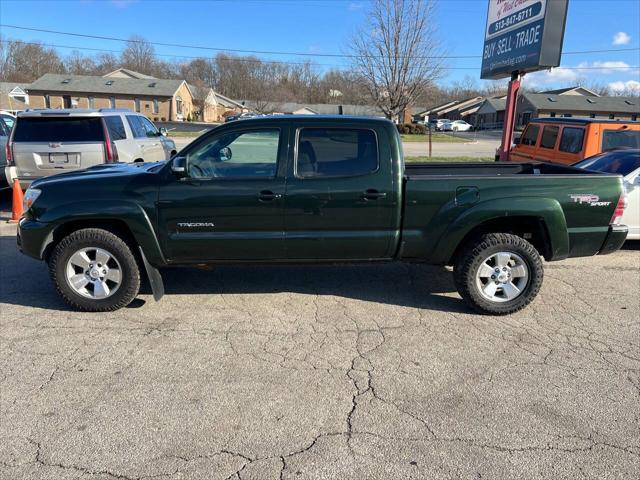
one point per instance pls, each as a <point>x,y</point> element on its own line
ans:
<point>58,129</point>
<point>115,127</point>
<point>620,139</point>
<point>136,126</point>
<point>549,136</point>
<point>530,136</point>
<point>336,152</point>
<point>571,140</point>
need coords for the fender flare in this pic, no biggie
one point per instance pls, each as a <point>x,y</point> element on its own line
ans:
<point>130,213</point>
<point>548,210</point>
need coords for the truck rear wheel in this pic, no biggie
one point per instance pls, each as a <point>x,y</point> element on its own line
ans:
<point>94,271</point>
<point>498,273</point>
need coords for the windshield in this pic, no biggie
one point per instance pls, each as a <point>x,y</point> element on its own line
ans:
<point>622,162</point>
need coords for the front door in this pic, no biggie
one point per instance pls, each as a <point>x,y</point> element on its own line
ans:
<point>230,207</point>
<point>340,200</point>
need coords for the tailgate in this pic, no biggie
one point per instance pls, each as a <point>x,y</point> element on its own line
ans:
<point>43,145</point>
<point>38,159</point>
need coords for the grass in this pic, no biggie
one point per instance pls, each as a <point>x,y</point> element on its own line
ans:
<point>448,159</point>
<point>185,134</point>
<point>435,137</point>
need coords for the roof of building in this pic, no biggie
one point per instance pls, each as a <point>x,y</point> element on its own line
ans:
<point>580,103</point>
<point>52,82</point>
<point>126,73</point>
<point>11,103</point>
<point>493,104</point>
<point>322,108</point>
<point>578,90</point>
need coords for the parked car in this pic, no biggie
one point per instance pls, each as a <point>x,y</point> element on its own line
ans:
<point>47,142</point>
<point>625,162</point>
<point>338,191</point>
<point>6,125</point>
<point>460,126</point>
<point>569,140</point>
<point>232,118</point>
<point>441,123</point>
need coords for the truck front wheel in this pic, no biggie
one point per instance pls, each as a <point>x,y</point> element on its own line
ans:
<point>94,271</point>
<point>498,273</point>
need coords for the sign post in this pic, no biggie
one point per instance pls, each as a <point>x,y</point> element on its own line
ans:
<point>521,36</point>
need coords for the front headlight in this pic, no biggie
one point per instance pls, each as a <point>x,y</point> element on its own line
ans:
<point>30,196</point>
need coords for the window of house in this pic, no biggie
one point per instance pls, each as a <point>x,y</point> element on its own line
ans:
<point>567,115</point>
<point>336,152</point>
<point>250,153</point>
<point>634,118</point>
<point>115,127</point>
<point>155,105</point>
<point>571,140</point>
<point>611,116</point>
<point>47,101</point>
<point>592,115</point>
<point>530,136</point>
<point>552,114</point>
<point>179,105</point>
<point>549,136</point>
<point>91,102</point>
<point>136,102</point>
<point>136,125</point>
<point>112,102</point>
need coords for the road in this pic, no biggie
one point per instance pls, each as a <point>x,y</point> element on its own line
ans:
<point>478,147</point>
<point>343,372</point>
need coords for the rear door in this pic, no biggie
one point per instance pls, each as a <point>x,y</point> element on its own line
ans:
<point>45,145</point>
<point>571,145</point>
<point>546,150</point>
<point>339,201</point>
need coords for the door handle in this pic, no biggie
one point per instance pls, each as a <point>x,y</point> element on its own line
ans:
<point>373,194</point>
<point>268,195</point>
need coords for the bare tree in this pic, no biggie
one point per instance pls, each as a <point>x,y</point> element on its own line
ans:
<point>397,53</point>
<point>139,55</point>
<point>78,64</point>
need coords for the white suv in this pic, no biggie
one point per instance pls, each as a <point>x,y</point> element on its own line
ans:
<point>46,142</point>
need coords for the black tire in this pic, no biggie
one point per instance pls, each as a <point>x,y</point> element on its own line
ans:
<point>95,237</point>
<point>472,256</point>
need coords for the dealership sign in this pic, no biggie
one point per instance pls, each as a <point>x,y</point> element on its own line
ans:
<point>522,36</point>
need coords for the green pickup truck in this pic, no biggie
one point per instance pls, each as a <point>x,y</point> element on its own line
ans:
<point>312,189</point>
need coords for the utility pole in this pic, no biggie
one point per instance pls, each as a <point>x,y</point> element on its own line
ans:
<point>510,116</point>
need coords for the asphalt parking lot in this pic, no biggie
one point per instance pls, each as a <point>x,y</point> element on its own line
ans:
<point>322,372</point>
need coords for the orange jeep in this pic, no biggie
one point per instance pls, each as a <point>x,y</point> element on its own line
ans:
<point>568,140</point>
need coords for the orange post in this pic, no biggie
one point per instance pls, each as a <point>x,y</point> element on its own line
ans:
<point>18,199</point>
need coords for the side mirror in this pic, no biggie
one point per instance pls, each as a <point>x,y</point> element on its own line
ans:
<point>163,131</point>
<point>225,154</point>
<point>179,166</point>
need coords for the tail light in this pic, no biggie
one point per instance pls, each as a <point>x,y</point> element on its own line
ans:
<point>109,147</point>
<point>9,152</point>
<point>617,213</point>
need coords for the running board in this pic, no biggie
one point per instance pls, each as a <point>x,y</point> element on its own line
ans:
<point>155,279</point>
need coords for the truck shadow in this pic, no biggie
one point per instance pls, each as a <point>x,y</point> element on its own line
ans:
<point>25,282</point>
<point>405,285</point>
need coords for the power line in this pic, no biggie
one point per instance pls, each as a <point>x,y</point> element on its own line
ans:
<point>270,52</point>
<point>283,62</point>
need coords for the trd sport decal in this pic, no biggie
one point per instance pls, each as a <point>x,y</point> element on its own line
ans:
<point>593,200</point>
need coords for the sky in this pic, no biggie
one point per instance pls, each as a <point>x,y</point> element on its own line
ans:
<point>321,27</point>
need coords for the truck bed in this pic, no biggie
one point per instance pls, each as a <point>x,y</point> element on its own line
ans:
<point>457,169</point>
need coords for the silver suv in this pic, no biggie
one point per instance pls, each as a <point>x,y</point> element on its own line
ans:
<point>47,142</point>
